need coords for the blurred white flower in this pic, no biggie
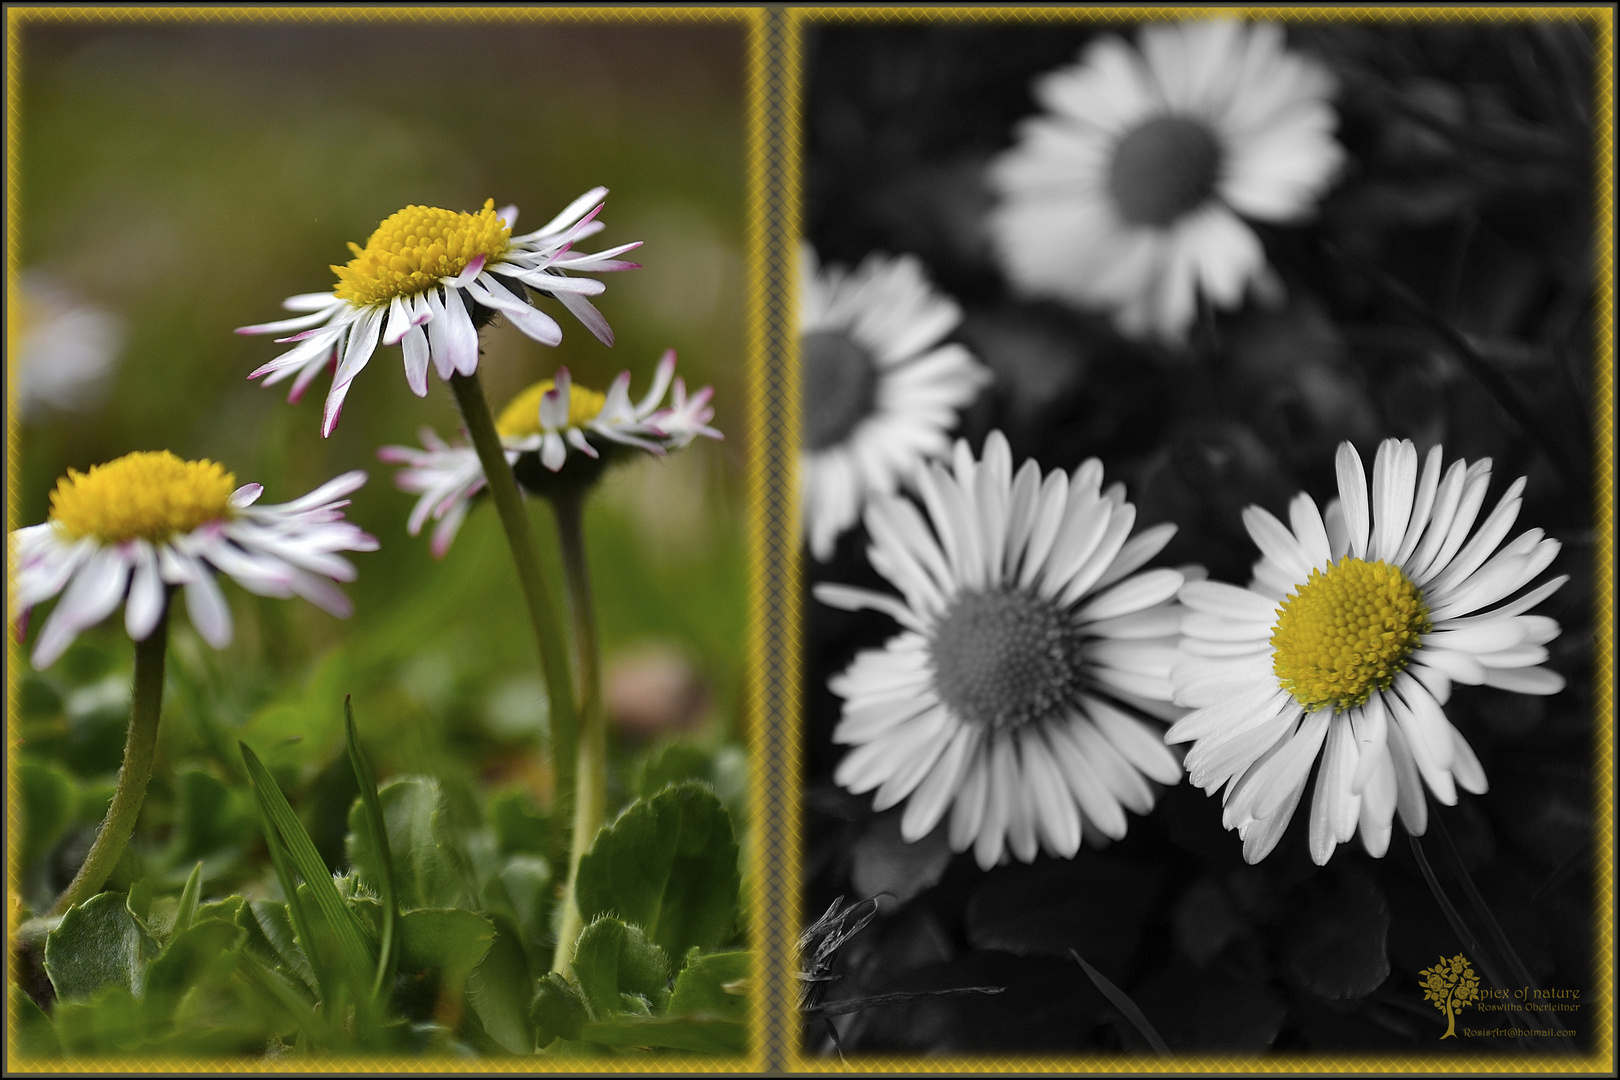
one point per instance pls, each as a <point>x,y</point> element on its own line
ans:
<point>880,393</point>
<point>1034,651</point>
<point>68,349</point>
<point>1346,646</point>
<point>1128,193</point>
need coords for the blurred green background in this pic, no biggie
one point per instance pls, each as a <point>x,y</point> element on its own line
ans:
<point>183,178</point>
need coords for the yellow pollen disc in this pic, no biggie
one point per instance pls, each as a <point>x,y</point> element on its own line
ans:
<point>521,418</point>
<point>151,495</point>
<point>416,248</point>
<point>1344,633</point>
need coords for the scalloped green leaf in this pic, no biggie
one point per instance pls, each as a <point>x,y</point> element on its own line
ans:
<point>558,1011</point>
<point>98,944</point>
<point>426,872</point>
<point>449,940</point>
<point>714,985</point>
<point>500,990</point>
<point>669,866</point>
<point>613,961</point>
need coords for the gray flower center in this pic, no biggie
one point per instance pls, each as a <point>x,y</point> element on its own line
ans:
<point>838,385</point>
<point>1006,658</point>
<point>1162,169</point>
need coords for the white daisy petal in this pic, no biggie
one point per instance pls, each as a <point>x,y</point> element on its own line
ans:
<point>146,594</point>
<point>1353,498</point>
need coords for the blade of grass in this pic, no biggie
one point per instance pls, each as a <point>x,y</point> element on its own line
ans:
<point>1124,1004</point>
<point>1521,974</point>
<point>376,825</point>
<point>282,862</point>
<point>188,899</point>
<point>357,958</point>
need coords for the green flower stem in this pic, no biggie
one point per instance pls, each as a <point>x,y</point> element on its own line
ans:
<point>469,391</point>
<point>133,774</point>
<point>590,774</point>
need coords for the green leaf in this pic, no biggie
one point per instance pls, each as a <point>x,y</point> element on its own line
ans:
<point>226,909</point>
<point>284,992</point>
<point>668,865</point>
<point>358,958</point>
<point>110,1022</point>
<point>558,1010</point>
<point>31,1033</point>
<point>705,1035</point>
<point>500,988</point>
<point>528,880</point>
<point>426,872</point>
<point>304,722</point>
<point>613,960</point>
<point>520,827</point>
<point>186,911</point>
<point>271,934</point>
<point>714,985</point>
<point>675,763</point>
<point>382,858</point>
<point>97,944</point>
<point>450,941</point>
<point>48,799</point>
<point>209,817</point>
<point>202,953</point>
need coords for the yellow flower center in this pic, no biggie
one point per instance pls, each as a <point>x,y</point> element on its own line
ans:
<point>417,247</point>
<point>151,495</point>
<point>1346,632</point>
<point>521,418</point>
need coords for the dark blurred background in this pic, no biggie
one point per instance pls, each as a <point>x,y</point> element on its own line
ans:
<point>1464,216</point>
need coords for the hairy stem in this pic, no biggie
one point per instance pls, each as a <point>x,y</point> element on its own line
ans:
<point>469,391</point>
<point>133,774</point>
<point>590,775</point>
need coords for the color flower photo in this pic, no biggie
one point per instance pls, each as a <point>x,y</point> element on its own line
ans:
<point>330,744</point>
<point>1200,423</point>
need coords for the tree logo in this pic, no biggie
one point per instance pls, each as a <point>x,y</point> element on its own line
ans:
<point>1450,984</point>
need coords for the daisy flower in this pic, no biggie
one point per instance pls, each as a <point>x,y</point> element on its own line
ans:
<point>129,529</point>
<point>880,391</point>
<point>1031,646</point>
<point>1129,193</point>
<point>419,282</point>
<point>1346,647</point>
<point>543,423</point>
